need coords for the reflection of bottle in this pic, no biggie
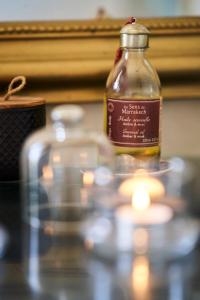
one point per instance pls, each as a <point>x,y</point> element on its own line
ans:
<point>133,102</point>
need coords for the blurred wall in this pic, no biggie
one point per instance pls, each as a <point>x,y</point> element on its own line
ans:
<point>77,9</point>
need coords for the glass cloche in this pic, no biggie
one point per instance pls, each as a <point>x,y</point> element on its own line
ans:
<point>58,162</point>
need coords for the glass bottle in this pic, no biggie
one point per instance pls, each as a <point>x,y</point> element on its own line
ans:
<point>133,100</point>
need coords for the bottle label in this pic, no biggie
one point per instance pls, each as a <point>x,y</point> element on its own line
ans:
<point>133,123</point>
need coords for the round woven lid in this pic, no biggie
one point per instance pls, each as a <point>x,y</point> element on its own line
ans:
<point>21,102</point>
<point>9,101</point>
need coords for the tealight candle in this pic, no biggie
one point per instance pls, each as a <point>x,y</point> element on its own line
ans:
<point>141,213</point>
<point>141,180</point>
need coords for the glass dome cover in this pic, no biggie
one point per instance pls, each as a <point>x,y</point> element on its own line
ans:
<point>59,160</point>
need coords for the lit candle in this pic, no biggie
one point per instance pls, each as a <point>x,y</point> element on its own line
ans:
<point>142,181</point>
<point>141,213</point>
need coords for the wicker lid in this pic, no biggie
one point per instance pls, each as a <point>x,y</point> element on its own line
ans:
<point>20,102</point>
<point>9,101</point>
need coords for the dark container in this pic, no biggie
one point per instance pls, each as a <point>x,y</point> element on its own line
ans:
<point>19,117</point>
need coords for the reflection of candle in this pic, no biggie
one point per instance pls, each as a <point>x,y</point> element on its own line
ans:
<point>141,278</point>
<point>140,240</point>
<point>47,173</point>
<point>56,158</point>
<point>47,178</point>
<point>88,181</point>
<point>88,178</point>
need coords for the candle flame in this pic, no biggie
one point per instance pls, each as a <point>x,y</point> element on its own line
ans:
<point>141,240</point>
<point>151,185</point>
<point>140,200</point>
<point>56,158</point>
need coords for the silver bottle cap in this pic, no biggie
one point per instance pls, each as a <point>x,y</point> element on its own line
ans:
<point>134,36</point>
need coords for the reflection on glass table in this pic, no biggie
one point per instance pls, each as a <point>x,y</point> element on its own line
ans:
<point>98,259</point>
<point>49,263</point>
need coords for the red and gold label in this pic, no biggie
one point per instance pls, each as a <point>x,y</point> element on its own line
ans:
<point>133,123</point>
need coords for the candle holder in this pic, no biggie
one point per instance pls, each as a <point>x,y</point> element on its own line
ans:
<point>147,214</point>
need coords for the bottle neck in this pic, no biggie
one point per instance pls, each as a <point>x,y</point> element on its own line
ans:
<point>129,53</point>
